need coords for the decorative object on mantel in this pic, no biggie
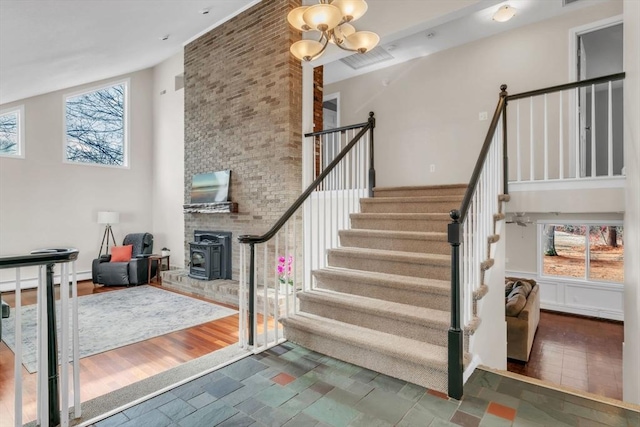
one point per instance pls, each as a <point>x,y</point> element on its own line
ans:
<point>211,187</point>
<point>165,252</point>
<point>107,218</point>
<point>221,207</point>
<point>210,193</point>
<point>333,20</point>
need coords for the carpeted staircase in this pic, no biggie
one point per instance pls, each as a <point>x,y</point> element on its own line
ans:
<point>383,301</point>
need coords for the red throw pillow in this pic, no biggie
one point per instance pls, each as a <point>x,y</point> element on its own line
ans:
<point>121,253</point>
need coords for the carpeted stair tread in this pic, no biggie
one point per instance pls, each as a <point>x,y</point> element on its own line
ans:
<point>403,199</point>
<point>369,340</point>
<point>396,234</point>
<point>403,216</point>
<point>402,312</point>
<point>441,287</point>
<point>418,191</point>
<point>384,255</point>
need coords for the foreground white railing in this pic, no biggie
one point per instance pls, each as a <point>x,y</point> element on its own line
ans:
<point>275,267</point>
<point>567,132</point>
<point>53,399</point>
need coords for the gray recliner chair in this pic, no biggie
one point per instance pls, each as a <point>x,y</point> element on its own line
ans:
<point>134,272</point>
<point>4,313</point>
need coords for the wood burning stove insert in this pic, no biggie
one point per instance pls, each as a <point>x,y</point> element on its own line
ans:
<point>210,255</point>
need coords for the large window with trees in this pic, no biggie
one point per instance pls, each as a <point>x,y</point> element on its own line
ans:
<point>588,251</point>
<point>96,126</point>
<point>12,132</point>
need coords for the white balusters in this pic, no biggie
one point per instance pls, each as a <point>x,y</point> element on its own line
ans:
<point>583,148</point>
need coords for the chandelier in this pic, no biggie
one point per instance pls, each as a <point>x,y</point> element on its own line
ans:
<point>333,21</point>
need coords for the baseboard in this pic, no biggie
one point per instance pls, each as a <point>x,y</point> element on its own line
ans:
<point>31,283</point>
<point>475,362</point>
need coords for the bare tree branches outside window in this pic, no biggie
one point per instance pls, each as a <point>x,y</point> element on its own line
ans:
<point>95,126</point>
<point>9,133</point>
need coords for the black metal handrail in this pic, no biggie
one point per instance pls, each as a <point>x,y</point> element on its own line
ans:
<point>369,125</point>
<point>475,177</point>
<point>47,257</point>
<point>566,86</point>
<point>340,129</point>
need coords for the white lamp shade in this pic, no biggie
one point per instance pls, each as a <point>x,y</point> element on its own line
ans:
<point>503,14</point>
<point>306,50</point>
<point>351,9</point>
<point>322,17</point>
<point>108,217</point>
<point>295,18</point>
<point>363,41</point>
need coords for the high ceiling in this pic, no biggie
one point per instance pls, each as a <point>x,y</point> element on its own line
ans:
<point>48,45</point>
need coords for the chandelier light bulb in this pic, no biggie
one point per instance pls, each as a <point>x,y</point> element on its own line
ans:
<point>503,14</point>
<point>322,17</point>
<point>295,18</point>
<point>306,50</point>
<point>351,9</point>
<point>363,41</point>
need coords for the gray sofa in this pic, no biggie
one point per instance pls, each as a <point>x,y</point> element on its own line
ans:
<point>4,310</point>
<point>522,317</point>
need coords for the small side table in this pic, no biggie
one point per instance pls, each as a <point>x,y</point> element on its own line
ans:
<point>159,259</point>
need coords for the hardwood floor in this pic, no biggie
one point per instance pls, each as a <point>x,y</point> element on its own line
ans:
<point>577,352</point>
<point>114,369</point>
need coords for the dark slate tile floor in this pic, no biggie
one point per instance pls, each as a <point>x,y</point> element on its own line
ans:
<point>292,386</point>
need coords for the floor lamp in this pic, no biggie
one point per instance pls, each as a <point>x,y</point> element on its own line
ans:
<point>108,218</point>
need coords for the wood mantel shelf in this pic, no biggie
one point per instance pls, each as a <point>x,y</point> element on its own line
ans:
<point>217,207</point>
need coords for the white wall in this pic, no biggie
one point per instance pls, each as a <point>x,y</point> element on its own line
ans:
<point>168,159</point>
<point>47,203</point>
<point>631,352</point>
<point>428,112</point>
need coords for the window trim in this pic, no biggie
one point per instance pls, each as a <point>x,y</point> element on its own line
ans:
<point>540,257</point>
<point>21,132</point>
<point>126,151</point>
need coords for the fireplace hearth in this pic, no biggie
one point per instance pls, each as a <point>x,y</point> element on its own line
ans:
<point>210,255</point>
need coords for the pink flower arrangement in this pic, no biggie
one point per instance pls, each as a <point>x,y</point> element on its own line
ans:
<point>285,269</point>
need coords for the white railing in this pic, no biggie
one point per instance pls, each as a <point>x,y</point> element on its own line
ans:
<point>567,132</point>
<point>478,229</point>
<point>49,392</point>
<point>275,267</point>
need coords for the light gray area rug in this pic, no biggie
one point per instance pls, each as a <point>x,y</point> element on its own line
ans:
<point>114,319</point>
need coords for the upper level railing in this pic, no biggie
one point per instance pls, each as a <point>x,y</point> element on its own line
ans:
<point>277,265</point>
<point>568,132</point>
<point>53,388</point>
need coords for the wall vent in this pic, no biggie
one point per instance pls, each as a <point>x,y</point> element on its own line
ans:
<point>361,60</point>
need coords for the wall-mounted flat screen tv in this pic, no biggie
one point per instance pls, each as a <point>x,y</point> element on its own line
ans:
<point>211,187</point>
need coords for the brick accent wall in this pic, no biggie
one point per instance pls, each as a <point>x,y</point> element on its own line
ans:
<point>243,104</point>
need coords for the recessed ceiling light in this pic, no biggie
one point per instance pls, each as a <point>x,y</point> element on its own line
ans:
<point>165,37</point>
<point>505,13</point>
<point>204,11</point>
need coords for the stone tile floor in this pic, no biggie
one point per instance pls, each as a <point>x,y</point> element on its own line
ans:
<point>292,386</point>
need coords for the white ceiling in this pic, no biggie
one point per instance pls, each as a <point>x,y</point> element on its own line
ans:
<point>48,45</point>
